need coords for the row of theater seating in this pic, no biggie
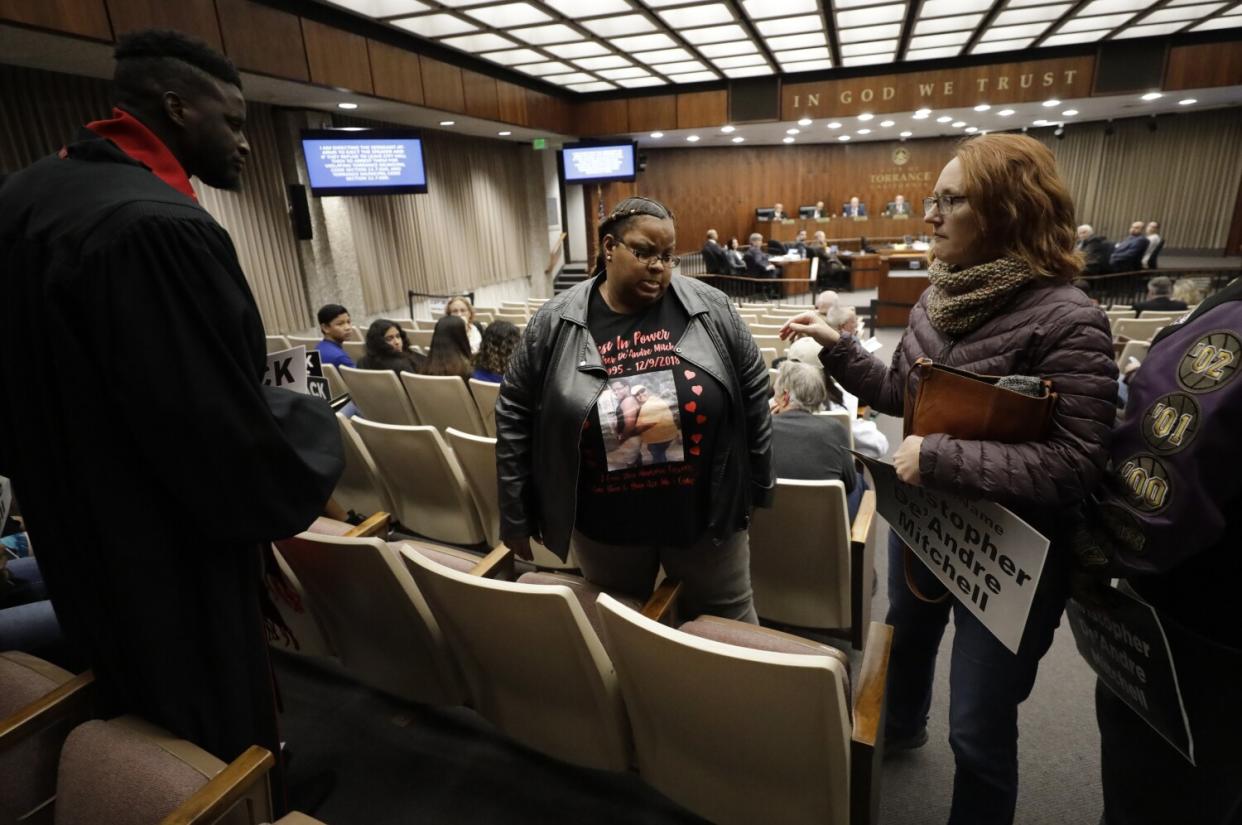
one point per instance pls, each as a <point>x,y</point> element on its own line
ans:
<point>739,724</point>
<point>61,766</point>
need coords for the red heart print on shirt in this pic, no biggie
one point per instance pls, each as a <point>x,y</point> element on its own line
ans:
<point>697,389</point>
<point>691,407</point>
<point>689,374</point>
<point>700,419</point>
<point>696,438</point>
<point>695,451</point>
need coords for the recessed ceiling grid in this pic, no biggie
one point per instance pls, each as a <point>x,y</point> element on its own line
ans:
<point>600,45</point>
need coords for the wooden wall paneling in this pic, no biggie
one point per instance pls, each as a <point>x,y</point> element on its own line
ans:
<point>481,97</point>
<point>650,114</point>
<point>551,114</point>
<point>702,109</point>
<point>336,57</point>
<point>511,103</point>
<point>196,17</point>
<point>602,117</point>
<point>263,39</point>
<point>85,18</point>
<point>1234,244</point>
<point>1204,65</point>
<point>442,87</point>
<point>395,73</point>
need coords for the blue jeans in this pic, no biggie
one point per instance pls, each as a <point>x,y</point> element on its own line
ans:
<point>986,682</point>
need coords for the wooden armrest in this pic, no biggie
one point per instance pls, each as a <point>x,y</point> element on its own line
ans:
<point>376,525</point>
<point>70,700</point>
<point>863,519</point>
<point>867,739</point>
<point>497,564</point>
<point>233,783</point>
<point>660,606</point>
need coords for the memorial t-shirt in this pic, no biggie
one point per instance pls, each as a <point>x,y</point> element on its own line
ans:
<point>646,448</point>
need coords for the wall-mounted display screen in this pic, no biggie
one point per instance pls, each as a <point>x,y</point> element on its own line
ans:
<point>598,162</point>
<point>364,161</point>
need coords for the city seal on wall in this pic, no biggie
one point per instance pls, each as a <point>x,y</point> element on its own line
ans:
<point>901,156</point>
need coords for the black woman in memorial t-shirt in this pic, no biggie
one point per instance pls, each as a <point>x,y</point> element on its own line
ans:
<point>633,425</point>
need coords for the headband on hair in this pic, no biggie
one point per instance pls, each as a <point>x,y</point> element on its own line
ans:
<point>625,213</point>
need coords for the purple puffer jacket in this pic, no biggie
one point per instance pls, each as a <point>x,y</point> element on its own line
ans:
<point>1047,330</point>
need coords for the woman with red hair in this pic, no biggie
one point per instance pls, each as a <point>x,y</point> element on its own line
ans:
<point>1000,303</point>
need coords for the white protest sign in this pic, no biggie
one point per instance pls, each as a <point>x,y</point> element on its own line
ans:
<point>286,369</point>
<point>6,499</point>
<point>987,557</point>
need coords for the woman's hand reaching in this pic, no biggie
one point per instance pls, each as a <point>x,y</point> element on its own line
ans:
<point>810,324</point>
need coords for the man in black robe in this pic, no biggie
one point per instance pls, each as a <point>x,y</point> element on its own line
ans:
<point>150,460</point>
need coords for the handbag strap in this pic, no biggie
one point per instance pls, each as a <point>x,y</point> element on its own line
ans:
<point>907,562</point>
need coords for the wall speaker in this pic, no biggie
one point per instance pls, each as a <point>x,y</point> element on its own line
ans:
<point>1129,66</point>
<point>299,212</point>
<point>753,99</point>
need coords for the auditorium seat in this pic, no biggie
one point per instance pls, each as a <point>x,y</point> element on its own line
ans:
<point>407,324</point>
<point>515,318</point>
<point>757,730</point>
<point>1138,329</point>
<point>443,401</point>
<point>360,488</point>
<point>769,354</point>
<point>379,396</point>
<point>477,458</point>
<point>1132,349</point>
<point>535,667</point>
<point>127,771</point>
<point>1167,315</point>
<point>303,341</point>
<point>422,337</point>
<point>844,417</point>
<point>423,325</point>
<point>809,566</point>
<point>428,489</point>
<point>277,343</point>
<point>483,318</point>
<point>772,342</point>
<point>336,386</point>
<point>355,350</point>
<point>485,394</point>
<point>373,617</point>
<point>40,704</point>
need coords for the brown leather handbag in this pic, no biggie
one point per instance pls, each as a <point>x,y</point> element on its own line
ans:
<point>970,406</point>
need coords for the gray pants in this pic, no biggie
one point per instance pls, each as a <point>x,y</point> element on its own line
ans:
<point>715,577</point>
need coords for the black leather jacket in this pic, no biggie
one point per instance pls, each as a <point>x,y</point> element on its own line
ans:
<point>555,378</point>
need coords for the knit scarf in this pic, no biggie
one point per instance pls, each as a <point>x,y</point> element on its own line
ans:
<point>960,300</point>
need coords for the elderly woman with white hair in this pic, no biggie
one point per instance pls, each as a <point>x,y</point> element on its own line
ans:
<point>868,439</point>
<point>805,445</point>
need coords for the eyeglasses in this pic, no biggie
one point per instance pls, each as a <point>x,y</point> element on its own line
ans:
<point>647,257</point>
<point>944,203</point>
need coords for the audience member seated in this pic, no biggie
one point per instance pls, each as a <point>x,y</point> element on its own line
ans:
<point>844,319</point>
<point>1128,255</point>
<point>1095,250</point>
<point>336,328</point>
<point>825,302</point>
<point>27,620</point>
<point>854,209</point>
<point>1158,291</point>
<point>868,439</point>
<point>1154,243</point>
<point>733,255</point>
<point>389,349</point>
<point>450,349</point>
<point>757,263</point>
<point>463,309</point>
<point>799,244</point>
<point>778,212</point>
<point>714,256</point>
<point>1185,290</point>
<point>808,446</point>
<point>500,339</point>
<point>898,207</point>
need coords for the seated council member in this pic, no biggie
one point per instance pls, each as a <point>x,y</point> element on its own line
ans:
<point>733,255</point>
<point>713,255</point>
<point>1000,302</point>
<point>1128,254</point>
<point>898,208</point>
<point>778,212</point>
<point>1154,244</point>
<point>1095,249</point>
<point>819,212</point>
<point>854,209</point>
<point>336,328</point>
<point>561,441</point>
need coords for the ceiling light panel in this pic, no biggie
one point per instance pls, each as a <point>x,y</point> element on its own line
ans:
<point>871,15</point>
<point>929,54</point>
<point>796,41</point>
<point>1168,15</point>
<point>711,14</point>
<point>574,9</point>
<point>763,9</point>
<point>927,41</point>
<point>1002,45</point>
<point>513,57</point>
<point>436,25</point>
<point>1031,15</point>
<point>790,25</point>
<point>1149,31</point>
<point>1076,37</point>
<point>869,33</point>
<point>806,66</point>
<point>961,22</point>
<point>587,48</point>
<point>944,8</point>
<point>542,35</point>
<point>382,8</point>
<point>799,55</point>
<point>727,49</point>
<point>572,77</point>
<point>680,68</point>
<point>740,61</point>
<point>478,42</point>
<point>714,34</point>
<point>1090,24</point>
<point>640,82</point>
<point>456,4</point>
<point>693,77</point>
<point>749,71</point>
<point>617,26</point>
<point>624,74</point>
<point>507,15</point>
<point>1112,6</point>
<point>878,47</point>
<point>1230,22</point>
<point>596,86</point>
<point>665,56</point>
<point>643,42</point>
<point>549,67</point>
<point>868,59</point>
<point>1013,32</point>
<point>611,61</point>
